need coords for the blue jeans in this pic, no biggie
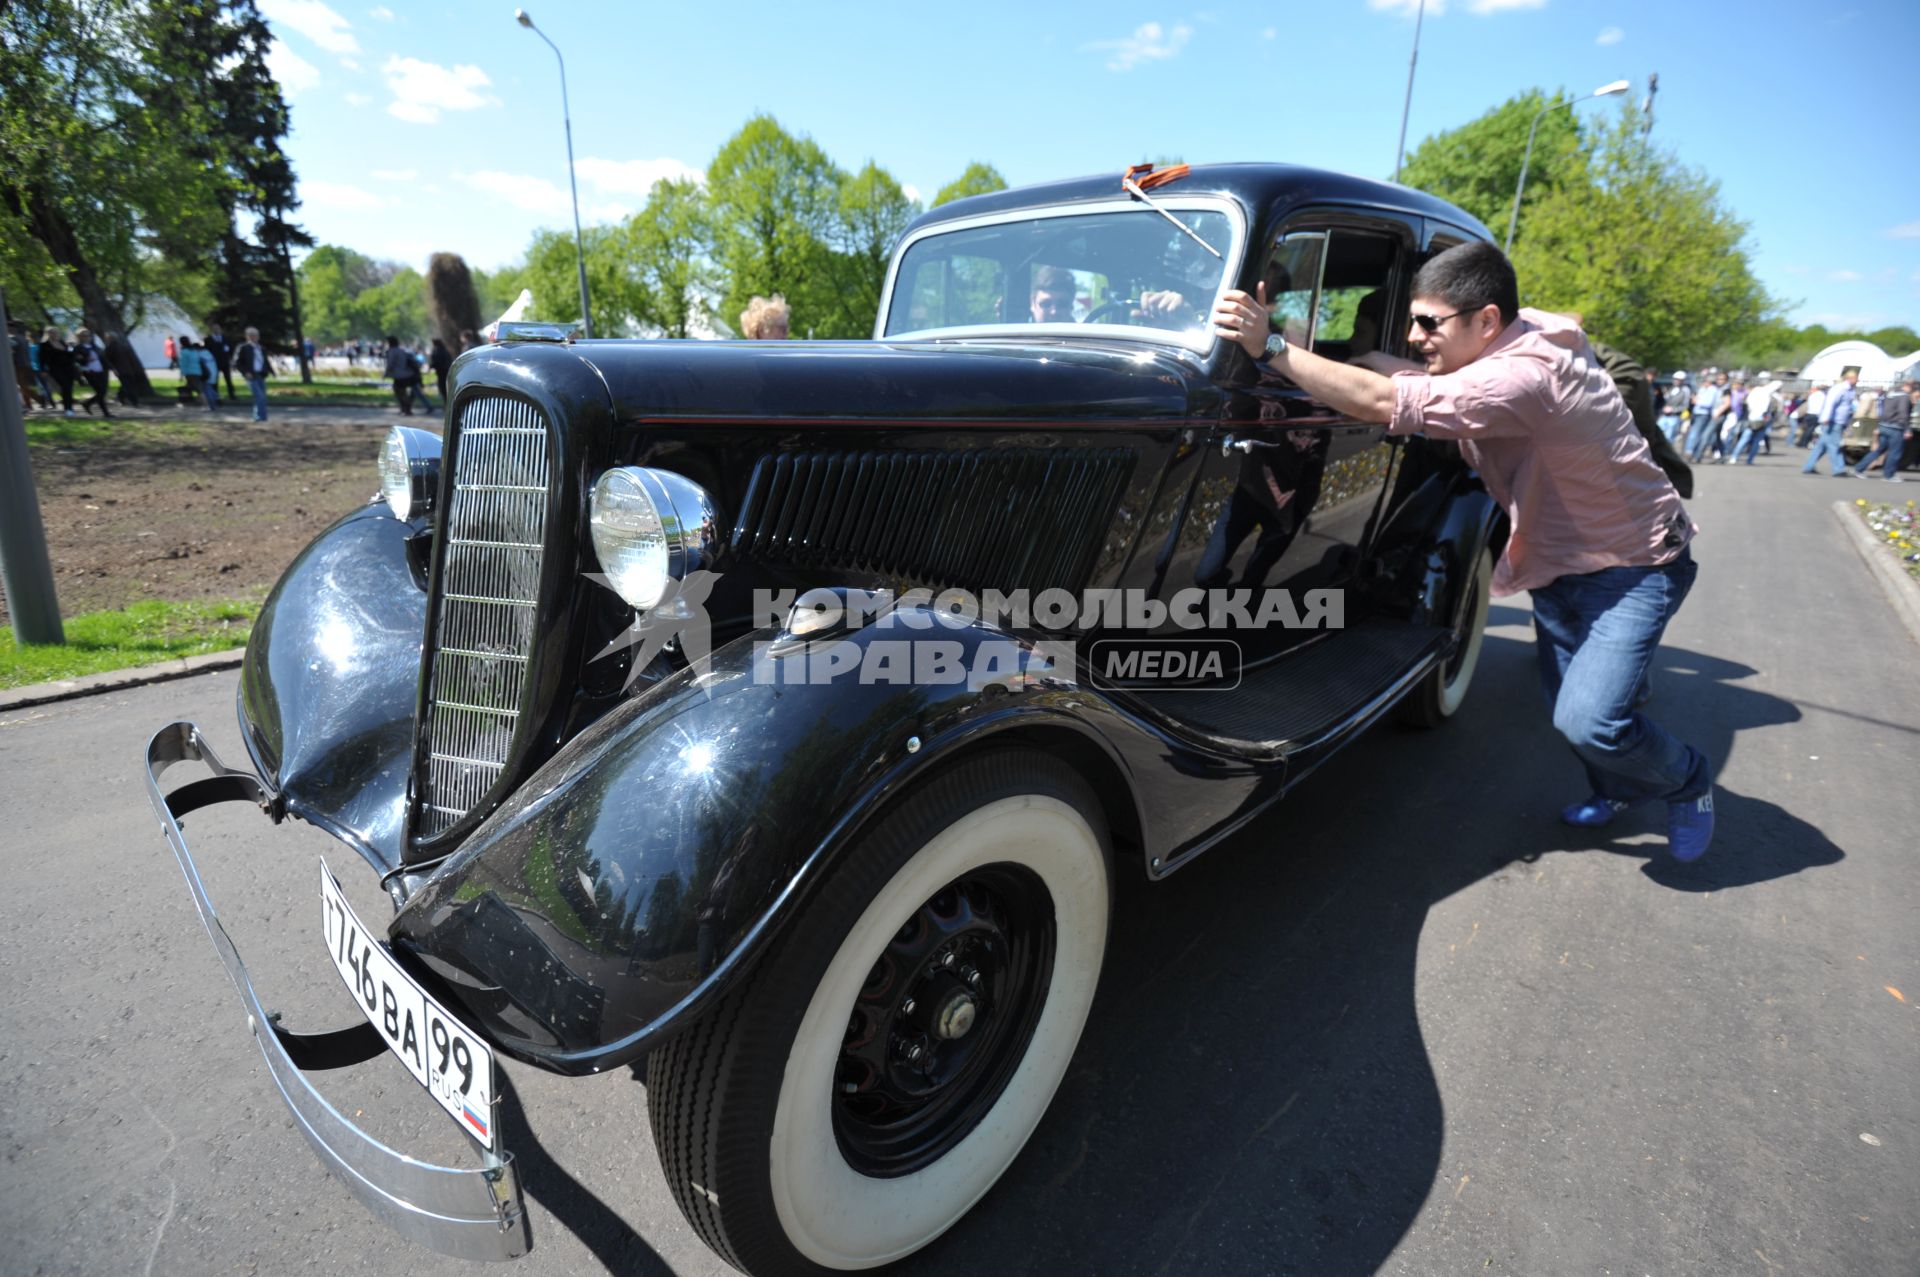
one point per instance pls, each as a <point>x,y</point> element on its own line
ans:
<point>1891,440</point>
<point>1747,446</point>
<point>1596,636</point>
<point>258,385</point>
<point>1828,440</point>
<point>210,389</point>
<point>1703,432</point>
<point>1670,426</point>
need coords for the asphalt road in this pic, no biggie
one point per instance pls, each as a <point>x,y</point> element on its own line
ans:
<point>1406,1023</point>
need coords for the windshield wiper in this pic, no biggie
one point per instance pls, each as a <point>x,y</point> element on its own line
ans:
<point>1133,188</point>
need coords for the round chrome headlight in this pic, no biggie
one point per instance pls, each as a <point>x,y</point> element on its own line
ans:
<point>409,471</point>
<point>650,527</point>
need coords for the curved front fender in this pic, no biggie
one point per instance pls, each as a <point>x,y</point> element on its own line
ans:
<point>635,875</point>
<point>331,674</point>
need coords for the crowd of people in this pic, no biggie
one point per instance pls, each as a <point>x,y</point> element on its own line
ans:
<point>1723,418</point>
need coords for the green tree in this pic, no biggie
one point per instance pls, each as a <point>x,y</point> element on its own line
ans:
<point>669,253</point>
<point>979,179</point>
<point>552,274</point>
<point>108,158</point>
<point>396,308</point>
<point>1644,249</point>
<point>874,213</point>
<point>1477,166</point>
<point>776,205</point>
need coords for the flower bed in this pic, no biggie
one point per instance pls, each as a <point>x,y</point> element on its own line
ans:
<point>1897,526</point>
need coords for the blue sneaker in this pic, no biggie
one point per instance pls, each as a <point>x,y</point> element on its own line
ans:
<point>1593,813</point>
<point>1690,827</point>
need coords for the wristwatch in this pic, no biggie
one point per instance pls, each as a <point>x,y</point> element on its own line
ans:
<point>1276,342</point>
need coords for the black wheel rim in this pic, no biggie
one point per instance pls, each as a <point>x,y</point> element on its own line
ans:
<point>1469,622</point>
<point>943,1020</point>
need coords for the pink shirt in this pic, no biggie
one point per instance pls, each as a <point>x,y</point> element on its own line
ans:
<point>1540,419</point>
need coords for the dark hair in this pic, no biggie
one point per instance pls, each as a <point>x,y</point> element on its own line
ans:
<point>1470,276</point>
<point>392,340</point>
<point>1052,278</point>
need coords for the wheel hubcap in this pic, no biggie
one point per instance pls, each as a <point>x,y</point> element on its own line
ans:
<point>943,1020</point>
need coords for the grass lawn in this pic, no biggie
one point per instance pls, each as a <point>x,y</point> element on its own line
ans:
<point>142,634</point>
<point>121,432</point>
<point>326,388</point>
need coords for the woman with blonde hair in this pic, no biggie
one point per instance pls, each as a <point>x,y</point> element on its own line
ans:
<point>765,318</point>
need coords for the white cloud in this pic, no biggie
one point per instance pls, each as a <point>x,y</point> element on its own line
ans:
<point>1906,230</point>
<point>912,192</point>
<point>358,99</point>
<point>1612,35</point>
<point>314,20</point>
<point>351,64</point>
<point>294,73</point>
<point>1408,8</point>
<point>421,90</point>
<point>1494,6</point>
<point>1844,276</point>
<point>338,195</point>
<point>634,177</point>
<point>538,195</point>
<point>380,13</point>
<point>1841,321</point>
<point>394,174</point>
<point>1150,42</point>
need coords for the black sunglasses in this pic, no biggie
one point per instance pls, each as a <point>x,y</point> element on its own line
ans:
<point>1431,323</point>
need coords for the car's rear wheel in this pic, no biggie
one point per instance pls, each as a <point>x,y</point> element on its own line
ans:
<point>1442,692</point>
<point>888,1058</point>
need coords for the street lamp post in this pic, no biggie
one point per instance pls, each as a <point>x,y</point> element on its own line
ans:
<point>1604,91</point>
<point>579,247</point>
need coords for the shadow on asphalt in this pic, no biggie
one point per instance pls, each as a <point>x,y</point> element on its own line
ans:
<point>1253,1094</point>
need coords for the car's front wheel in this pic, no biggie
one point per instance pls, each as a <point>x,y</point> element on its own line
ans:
<point>888,1058</point>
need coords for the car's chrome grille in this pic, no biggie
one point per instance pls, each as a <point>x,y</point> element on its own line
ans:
<point>489,592</point>
<point>1004,518</point>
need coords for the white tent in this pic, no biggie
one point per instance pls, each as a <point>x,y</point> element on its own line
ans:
<point>1877,367</point>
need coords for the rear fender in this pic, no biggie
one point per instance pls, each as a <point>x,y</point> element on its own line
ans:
<point>635,876</point>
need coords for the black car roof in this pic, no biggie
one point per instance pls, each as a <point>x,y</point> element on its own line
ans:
<point>1262,188</point>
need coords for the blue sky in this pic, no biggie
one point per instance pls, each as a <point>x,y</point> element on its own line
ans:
<point>426,126</point>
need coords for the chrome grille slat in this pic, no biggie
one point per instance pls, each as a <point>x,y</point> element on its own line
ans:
<point>489,590</point>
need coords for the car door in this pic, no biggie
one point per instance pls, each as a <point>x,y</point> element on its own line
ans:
<point>1290,489</point>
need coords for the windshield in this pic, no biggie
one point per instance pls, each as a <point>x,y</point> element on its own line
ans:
<point>1128,267</point>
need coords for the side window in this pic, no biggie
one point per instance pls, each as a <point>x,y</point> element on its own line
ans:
<point>950,291</point>
<point>1355,292</point>
<point>1292,277</point>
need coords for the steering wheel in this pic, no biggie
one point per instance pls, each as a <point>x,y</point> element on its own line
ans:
<point>1121,306</point>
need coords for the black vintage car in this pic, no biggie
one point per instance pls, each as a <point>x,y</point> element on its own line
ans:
<point>625,807</point>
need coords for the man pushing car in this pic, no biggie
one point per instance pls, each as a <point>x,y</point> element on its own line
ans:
<point>1599,535</point>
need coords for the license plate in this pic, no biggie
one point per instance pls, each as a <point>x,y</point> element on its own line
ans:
<point>443,1055</point>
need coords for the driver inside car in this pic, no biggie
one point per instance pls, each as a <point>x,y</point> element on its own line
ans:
<point>1052,301</point>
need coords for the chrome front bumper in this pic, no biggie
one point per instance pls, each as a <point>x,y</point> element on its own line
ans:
<point>466,1213</point>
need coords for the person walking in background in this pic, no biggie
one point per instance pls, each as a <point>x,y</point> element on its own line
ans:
<point>469,340</point>
<point>1759,420</point>
<point>1835,417</point>
<point>1732,419</point>
<point>41,382</point>
<point>1705,400</point>
<point>196,369</point>
<point>1810,409</point>
<point>766,319</point>
<point>56,361</point>
<point>254,365</point>
<point>172,352</point>
<point>1674,406</point>
<point>1896,427</point>
<point>19,351</point>
<point>93,370</point>
<point>440,359</point>
<point>307,346</point>
<point>220,350</point>
<point>405,375</point>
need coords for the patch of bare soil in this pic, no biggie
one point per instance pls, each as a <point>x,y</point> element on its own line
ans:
<point>215,510</point>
